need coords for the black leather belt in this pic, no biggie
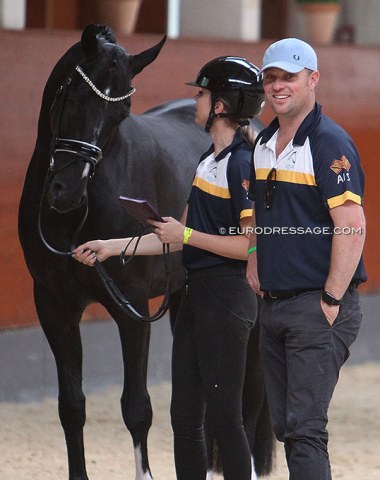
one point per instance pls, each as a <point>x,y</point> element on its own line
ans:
<point>286,294</point>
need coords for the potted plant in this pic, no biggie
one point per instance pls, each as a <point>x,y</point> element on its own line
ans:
<point>319,19</point>
<point>121,15</point>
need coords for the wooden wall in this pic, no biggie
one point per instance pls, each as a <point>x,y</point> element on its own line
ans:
<point>348,91</point>
<point>76,14</point>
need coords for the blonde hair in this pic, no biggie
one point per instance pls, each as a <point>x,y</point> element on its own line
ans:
<point>249,134</point>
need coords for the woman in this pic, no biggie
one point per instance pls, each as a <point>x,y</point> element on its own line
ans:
<point>218,308</point>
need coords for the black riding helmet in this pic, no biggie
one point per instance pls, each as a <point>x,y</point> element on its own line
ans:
<point>235,80</point>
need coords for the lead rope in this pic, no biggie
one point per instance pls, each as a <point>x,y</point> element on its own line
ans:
<point>42,237</point>
<point>108,282</point>
<point>118,296</point>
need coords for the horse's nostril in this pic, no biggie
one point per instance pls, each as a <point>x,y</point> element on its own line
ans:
<point>57,187</point>
<point>55,191</point>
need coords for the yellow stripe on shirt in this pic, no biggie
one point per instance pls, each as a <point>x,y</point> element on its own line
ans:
<point>211,188</point>
<point>248,212</point>
<point>340,199</point>
<point>288,176</point>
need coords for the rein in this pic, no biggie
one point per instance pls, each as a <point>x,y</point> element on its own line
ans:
<point>124,304</point>
<point>77,231</point>
<point>92,154</point>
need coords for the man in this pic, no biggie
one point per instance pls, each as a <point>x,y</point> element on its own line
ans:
<point>307,184</point>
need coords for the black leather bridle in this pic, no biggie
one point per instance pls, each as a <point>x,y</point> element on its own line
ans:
<point>92,154</point>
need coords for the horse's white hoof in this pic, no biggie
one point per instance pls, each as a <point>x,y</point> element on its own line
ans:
<point>140,474</point>
<point>253,475</point>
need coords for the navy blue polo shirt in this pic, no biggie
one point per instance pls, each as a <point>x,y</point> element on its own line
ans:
<point>318,170</point>
<point>218,198</point>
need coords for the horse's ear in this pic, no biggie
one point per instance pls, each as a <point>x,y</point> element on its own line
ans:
<point>92,34</point>
<point>140,61</point>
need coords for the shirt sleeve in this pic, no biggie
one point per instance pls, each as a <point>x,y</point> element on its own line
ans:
<point>238,174</point>
<point>338,172</point>
<point>252,171</point>
<point>252,179</point>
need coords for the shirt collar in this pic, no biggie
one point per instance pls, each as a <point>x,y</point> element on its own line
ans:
<point>237,140</point>
<point>303,131</point>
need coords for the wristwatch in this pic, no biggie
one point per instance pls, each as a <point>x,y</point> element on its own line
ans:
<point>329,298</point>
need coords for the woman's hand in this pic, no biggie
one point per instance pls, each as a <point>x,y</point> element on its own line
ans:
<point>251,274</point>
<point>170,231</point>
<point>94,250</point>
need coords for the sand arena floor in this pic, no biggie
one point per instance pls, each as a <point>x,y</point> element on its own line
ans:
<point>32,444</point>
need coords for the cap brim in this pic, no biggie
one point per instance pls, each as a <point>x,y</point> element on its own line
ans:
<point>287,66</point>
<point>193,84</point>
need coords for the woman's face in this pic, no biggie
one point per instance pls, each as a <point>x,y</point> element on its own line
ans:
<point>202,107</point>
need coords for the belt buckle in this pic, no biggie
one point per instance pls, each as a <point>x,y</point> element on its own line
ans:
<point>271,296</point>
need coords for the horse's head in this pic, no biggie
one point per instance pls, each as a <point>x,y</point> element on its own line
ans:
<point>86,111</point>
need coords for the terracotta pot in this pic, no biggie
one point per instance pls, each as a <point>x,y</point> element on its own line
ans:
<point>121,15</point>
<point>319,21</point>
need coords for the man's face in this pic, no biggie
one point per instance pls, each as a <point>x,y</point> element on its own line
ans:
<point>290,94</point>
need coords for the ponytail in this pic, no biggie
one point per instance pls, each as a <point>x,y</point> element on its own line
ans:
<point>249,134</point>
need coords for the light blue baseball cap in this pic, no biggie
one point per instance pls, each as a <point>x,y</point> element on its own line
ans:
<point>291,55</point>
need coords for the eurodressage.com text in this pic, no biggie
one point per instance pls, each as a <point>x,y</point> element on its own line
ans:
<point>291,230</point>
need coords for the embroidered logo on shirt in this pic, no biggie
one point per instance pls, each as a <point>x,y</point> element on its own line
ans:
<point>212,174</point>
<point>338,165</point>
<point>291,161</point>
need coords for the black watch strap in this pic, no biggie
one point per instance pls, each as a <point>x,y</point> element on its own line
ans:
<point>329,298</point>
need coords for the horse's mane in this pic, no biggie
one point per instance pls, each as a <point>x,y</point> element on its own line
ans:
<point>61,70</point>
<point>75,53</point>
<point>98,31</point>
<point>95,32</point>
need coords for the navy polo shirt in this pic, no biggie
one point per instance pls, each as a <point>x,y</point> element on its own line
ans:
<point>320,169</point>
<point>218,198</point>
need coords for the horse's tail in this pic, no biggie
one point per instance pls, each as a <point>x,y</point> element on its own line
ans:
<point>256,419</point>
<point>256,416</point>
<point>263,450</point>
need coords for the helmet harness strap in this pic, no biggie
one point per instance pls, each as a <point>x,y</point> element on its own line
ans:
<point>239,107</point>
<point>211,115</point>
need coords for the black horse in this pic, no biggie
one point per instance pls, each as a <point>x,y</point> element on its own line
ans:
<point>90,150</point>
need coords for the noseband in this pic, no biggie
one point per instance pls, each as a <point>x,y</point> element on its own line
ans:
<point>81,150</point>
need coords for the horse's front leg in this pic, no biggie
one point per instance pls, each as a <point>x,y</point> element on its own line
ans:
<point>61,328</point>
<point>135,401</point>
